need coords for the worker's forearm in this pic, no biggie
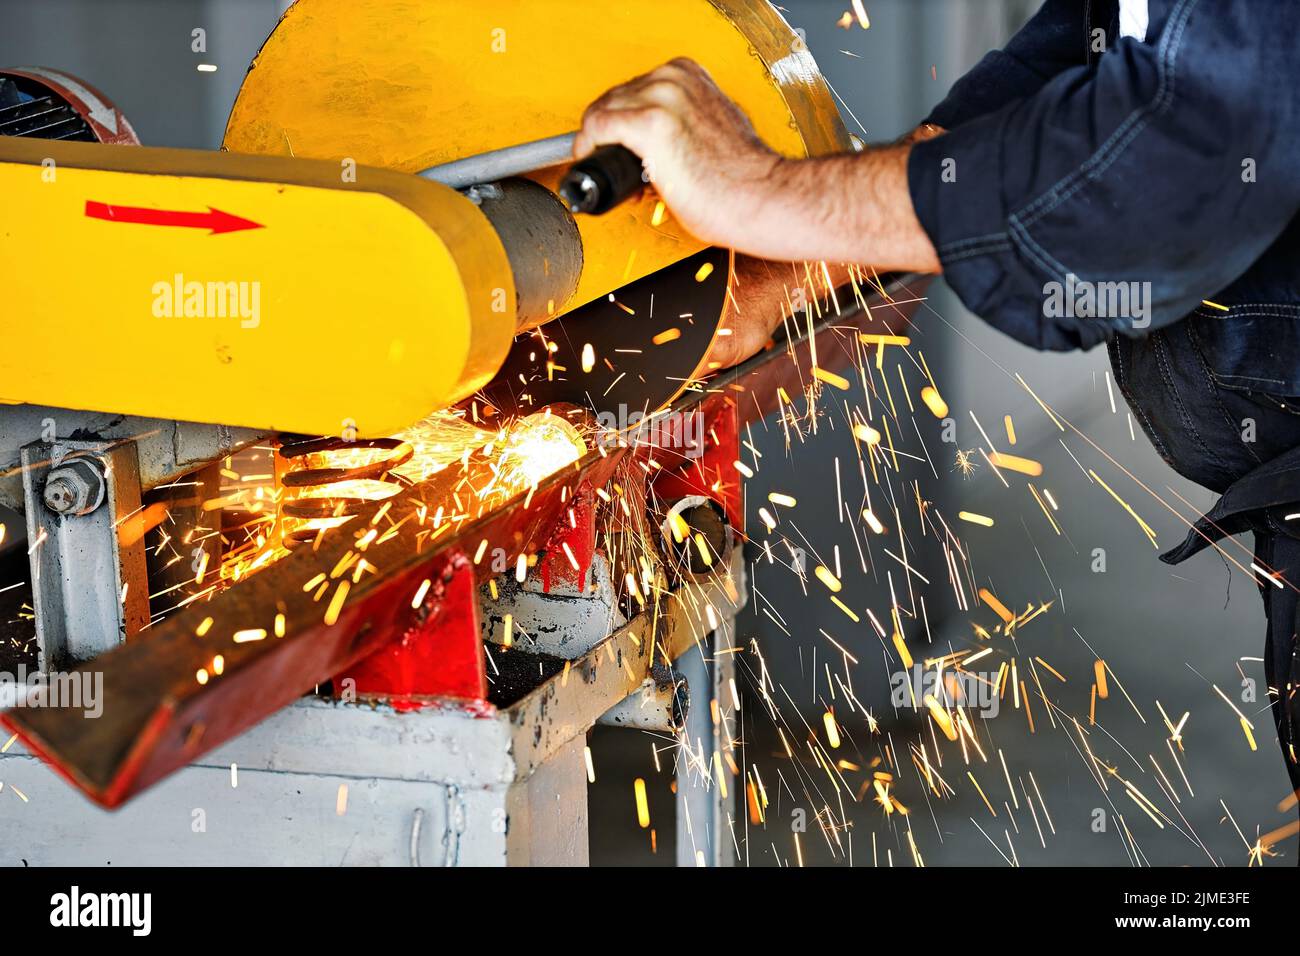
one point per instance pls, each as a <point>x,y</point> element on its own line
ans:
<point>848,208</point>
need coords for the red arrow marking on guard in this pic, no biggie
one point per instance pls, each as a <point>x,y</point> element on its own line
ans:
<point>213,219</point>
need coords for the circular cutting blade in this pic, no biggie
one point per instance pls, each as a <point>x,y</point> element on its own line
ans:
<point>630,352</point>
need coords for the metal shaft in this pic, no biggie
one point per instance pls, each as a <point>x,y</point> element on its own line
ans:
<point>501,163</point>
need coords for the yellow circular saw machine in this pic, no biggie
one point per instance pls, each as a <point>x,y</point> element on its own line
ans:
<point>306,279</point>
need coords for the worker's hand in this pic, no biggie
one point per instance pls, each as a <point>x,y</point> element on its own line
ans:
<point>699,149</point>
<point>753,311</point>
<point>729,189</point>
<point>762,294</point>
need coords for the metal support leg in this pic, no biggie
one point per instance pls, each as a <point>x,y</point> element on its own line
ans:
<point>548,812</point>
<point>705,785</point>
<point>89,577</point>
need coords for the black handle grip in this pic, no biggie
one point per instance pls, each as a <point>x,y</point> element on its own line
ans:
<point>601,181</point>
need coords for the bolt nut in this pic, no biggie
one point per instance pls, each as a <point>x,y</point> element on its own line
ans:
<point>76,487</point>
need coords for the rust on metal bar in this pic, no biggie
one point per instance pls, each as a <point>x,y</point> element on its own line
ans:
<point>159,715</point>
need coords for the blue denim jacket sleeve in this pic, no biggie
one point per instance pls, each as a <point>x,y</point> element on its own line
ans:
<point>1053,40</point>
<point>1170,162</point>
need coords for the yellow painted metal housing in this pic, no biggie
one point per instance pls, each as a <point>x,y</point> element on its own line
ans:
<point>408,84</point>
<point>366,304</point>
<point>366,297</point>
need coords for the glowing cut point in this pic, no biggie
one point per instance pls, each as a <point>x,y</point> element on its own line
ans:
<point>537,447</point>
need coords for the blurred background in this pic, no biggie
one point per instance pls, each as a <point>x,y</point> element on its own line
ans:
<point>1167,636</point>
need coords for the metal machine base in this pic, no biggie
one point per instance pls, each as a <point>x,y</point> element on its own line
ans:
<point>328,782</point>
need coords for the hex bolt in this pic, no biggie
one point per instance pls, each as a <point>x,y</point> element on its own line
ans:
<point>75,487</point>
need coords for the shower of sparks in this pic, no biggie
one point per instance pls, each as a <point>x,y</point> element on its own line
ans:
<point>965,462</point>
<point>944,611</point>
<point>834,750</point>
<point>248,520</point>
